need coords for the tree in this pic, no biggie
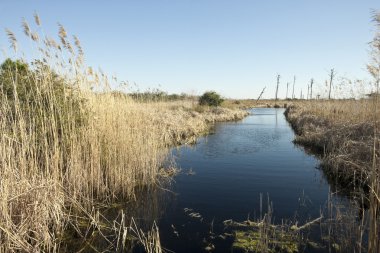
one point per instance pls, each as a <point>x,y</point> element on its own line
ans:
<point>311,88</point>
<point>15,77</point>
<point>278,82</point>
<point>287,88</point>
<point>294,83</point>
<point>36,91</point>
<point>210,98</point>
<point>374,66</point>
<point>332,75</point>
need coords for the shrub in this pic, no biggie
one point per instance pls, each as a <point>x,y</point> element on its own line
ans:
<point>210,98</point>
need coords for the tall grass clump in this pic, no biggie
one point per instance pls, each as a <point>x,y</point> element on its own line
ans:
<point>63,146</point>
<point>69,144</point>
<point>42,124</point>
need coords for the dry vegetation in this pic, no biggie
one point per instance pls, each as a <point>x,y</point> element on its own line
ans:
<point>341,130</point>
<point>254,103</point>
<point>68,144</point>
<point>344,133</point>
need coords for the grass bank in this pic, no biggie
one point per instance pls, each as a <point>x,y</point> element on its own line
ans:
<point>342,131</point>
<point>345,134</point>
<point>254,103</point>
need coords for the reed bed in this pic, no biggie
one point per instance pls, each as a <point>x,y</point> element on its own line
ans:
<point>69,144</point>
<point>341,130</point>
<point>345,133</point>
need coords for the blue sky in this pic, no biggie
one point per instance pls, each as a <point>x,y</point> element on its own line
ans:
<point>233,47</point>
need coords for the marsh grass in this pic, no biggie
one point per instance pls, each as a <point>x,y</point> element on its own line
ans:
<point>254,103</point>
<point>69,145</point>
<point>344,133</point>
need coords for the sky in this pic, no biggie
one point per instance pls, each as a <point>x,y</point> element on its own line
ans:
<point>233,47</point>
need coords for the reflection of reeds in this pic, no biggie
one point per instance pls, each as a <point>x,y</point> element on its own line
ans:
<point>344,226</point>
<point>118,227</point>
<point>150,240</point>
<point>339,228</point>
<point>65,148</point>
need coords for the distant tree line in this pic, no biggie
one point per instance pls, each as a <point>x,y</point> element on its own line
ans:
<point>159,96</point>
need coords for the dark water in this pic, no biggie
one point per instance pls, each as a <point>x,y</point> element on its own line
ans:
<point>232,169</point>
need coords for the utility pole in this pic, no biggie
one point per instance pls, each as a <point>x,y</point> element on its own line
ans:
<point>278,82</point>
<point>287,87</point>
<point>301,94</point>
<point>311,88</point>
<point>332,75</point>
<point>294,82</point>
<point>308,89</point>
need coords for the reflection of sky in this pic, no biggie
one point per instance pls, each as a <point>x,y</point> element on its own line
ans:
<point>243,159</point>
<point>254,134</point>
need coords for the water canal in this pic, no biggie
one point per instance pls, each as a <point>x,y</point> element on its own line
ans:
<point>231,174</point>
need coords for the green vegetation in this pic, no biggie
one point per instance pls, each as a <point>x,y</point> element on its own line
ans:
<point>210,98</point>
<point>252,241</point>
<point>157,95</point>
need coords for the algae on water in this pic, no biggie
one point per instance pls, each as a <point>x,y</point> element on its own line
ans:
<point>272,240</point>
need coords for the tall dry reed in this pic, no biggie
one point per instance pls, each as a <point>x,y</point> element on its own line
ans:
<point>69,144</point>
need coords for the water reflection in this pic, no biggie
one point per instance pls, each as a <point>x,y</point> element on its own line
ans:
<point>138,213</point>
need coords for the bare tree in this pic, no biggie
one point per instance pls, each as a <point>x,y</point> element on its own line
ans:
<point>287,87</point>
<point>332,75</point>
<point>278,82</point>
<point>260,95</point>
<point>294,82</point>
<point>311,88</point>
